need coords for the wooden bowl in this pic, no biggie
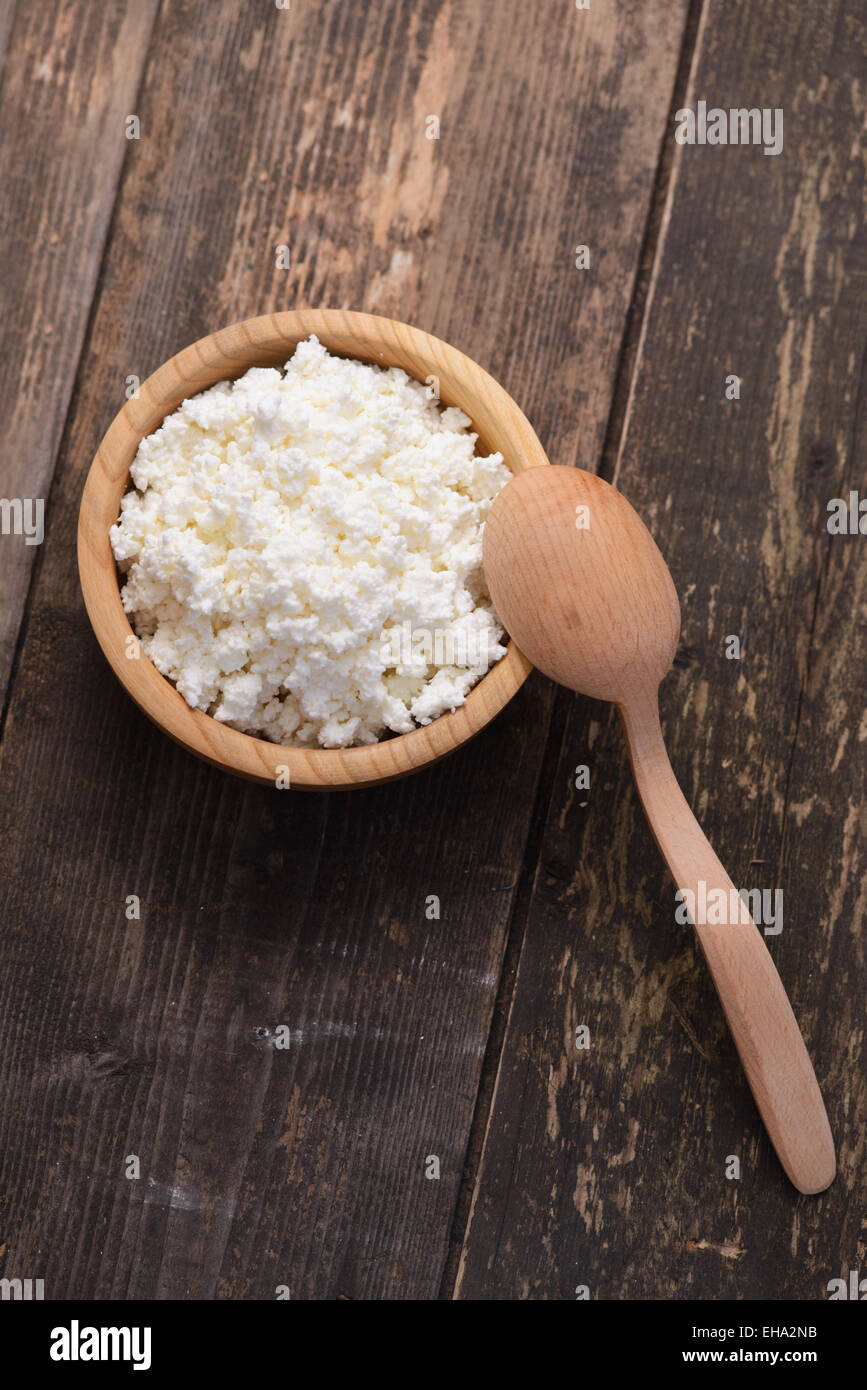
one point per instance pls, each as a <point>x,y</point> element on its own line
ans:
<point>270,341</point>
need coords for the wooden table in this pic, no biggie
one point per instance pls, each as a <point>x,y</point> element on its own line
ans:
<point>267,916</point>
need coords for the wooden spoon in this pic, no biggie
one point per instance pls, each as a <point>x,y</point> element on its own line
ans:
<point>582,588</point>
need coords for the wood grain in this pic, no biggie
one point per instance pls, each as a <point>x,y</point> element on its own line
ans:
<point>69,81</point>
<point>605,1168</point>
<point>156,1036</point>
<point>7,14</point>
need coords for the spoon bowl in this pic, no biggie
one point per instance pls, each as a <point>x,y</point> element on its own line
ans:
<point>599,575</point>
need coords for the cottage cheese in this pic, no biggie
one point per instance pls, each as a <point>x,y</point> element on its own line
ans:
<point>302,552</point>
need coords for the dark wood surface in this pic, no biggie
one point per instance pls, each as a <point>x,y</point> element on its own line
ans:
<point>304,1166</point>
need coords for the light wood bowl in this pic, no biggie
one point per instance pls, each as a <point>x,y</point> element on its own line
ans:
<point>270,341</point>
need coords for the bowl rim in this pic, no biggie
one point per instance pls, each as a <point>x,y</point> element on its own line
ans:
<point>270,339</point>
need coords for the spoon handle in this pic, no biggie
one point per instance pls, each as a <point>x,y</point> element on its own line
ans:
<point>751,992</point>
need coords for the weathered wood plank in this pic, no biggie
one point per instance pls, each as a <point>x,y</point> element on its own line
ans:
<point>69,82</point>
<point>606,1167</point>
<point>305,1166</point>
<point>7,14</point>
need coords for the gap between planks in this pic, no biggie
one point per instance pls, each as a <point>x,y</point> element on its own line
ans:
<point>551,758</point>
<point>72,402</point>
